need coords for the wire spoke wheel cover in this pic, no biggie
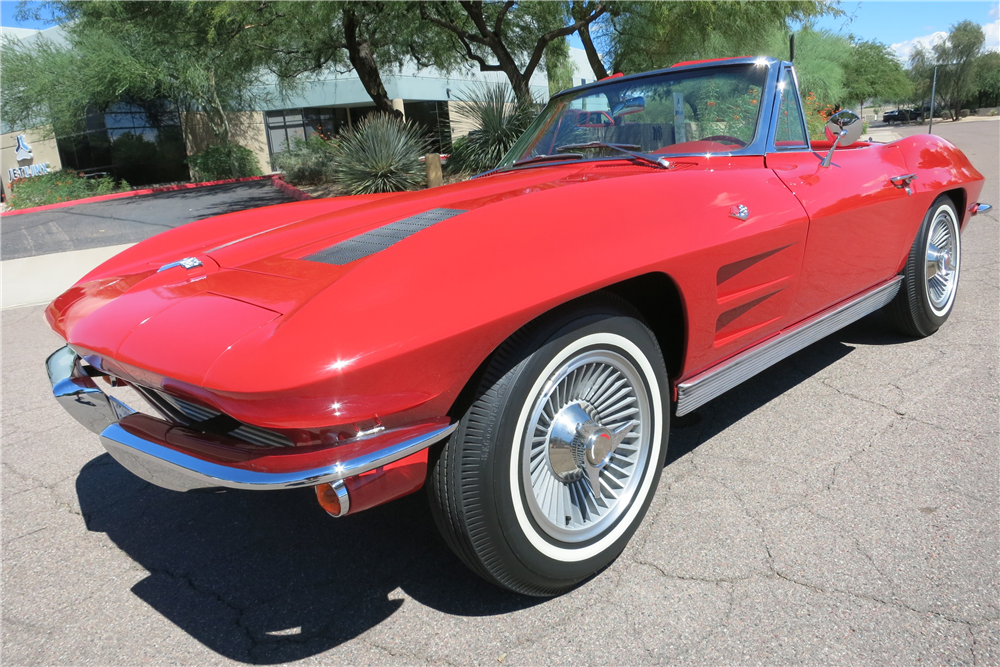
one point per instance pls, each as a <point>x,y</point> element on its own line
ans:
<point>557,455</point>
<point>942,261</point>
<point>586,445</point>
<point>931,273</point>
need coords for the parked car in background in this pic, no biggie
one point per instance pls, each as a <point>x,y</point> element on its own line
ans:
<point>518,342</point>
<point>903,116</point>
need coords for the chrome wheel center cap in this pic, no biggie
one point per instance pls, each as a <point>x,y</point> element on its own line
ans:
<point>579,446</point>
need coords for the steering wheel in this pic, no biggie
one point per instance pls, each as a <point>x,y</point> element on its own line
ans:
<point>739,142</point>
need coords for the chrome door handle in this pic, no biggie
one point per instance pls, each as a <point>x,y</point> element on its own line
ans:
<point>903,182</point>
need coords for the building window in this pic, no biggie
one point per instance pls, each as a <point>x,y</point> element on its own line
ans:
<point>435,122</point>
<point>140,144</point>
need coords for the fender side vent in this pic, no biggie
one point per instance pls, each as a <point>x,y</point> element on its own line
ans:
<point>379,239</point>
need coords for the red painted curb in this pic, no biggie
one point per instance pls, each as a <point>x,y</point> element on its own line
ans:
<point>134,193</point>
<point>279,183</point>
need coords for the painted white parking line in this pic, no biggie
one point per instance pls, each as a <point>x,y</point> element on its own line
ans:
<point>29,281</point>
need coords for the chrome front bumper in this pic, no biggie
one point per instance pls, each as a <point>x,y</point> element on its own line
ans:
<point>79,395</point>
<point>165,463</point>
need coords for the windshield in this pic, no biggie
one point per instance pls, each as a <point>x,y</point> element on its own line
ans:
<point>711,110</point>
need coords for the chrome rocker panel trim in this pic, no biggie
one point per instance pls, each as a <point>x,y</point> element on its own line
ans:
<point>170,469</point>
<point>710,384</point>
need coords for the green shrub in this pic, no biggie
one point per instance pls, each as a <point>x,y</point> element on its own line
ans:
<point>223,161</point>
<point>945,115</point>
<point>381,154</point>
<point>306,161</point>
<point>60,186</point>
<point>964,113</point>
<point>498,120</point>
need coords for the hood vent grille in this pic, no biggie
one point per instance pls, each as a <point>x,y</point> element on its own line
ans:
<point>381,238</point>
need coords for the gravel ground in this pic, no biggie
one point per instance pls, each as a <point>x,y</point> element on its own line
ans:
<point>839,509</point>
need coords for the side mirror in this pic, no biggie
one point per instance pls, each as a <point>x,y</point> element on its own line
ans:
<point>843,129</point>
<point>631,105</point>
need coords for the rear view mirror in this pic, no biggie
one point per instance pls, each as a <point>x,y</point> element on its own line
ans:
<point>631,105</point>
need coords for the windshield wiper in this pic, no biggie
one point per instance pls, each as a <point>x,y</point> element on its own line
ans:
<point>544,158</point>
<point>622,148</point>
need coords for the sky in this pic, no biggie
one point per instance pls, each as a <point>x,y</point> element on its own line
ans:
<point>898,23</point>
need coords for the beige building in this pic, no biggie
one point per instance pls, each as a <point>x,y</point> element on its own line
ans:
<point>246,128</point>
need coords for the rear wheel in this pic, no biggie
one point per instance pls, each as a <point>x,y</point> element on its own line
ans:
<point>556,460</point>
<point>930,279</point>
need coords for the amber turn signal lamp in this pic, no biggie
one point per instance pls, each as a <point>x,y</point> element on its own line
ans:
<point>333,498</point>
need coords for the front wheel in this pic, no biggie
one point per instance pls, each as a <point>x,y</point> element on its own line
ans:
<point>554,464</point>
<point>930,278</point>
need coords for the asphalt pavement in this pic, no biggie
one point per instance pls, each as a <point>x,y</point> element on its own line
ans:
<point>128,220</point>
<point>840,508</point>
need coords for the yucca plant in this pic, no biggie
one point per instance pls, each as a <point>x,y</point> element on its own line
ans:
<point>497,120</point>
<point>381,154</point>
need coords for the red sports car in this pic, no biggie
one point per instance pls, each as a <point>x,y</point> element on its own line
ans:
<point>518,342</point>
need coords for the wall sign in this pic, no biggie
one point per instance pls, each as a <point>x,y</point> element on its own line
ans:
<point>23,152</point>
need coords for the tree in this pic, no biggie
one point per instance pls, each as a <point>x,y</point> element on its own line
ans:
<point>498,36</point>
<point>640,36</point>
<point>988,79</point>
<point>195,54</point>
<point>366,37</point>
<point>872,72</point>
<point>956,58</point>
<point>558,65</point>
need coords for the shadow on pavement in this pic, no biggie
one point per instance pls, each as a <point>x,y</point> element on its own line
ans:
<point>691,430</point>
<point>230,198</point>
<point>265,578</point>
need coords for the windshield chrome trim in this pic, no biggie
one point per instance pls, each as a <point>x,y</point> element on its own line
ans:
<point>757,147</point>
<point>772,130</point>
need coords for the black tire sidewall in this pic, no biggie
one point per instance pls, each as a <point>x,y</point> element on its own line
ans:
<point>533,564</point>
<point>926,320</point>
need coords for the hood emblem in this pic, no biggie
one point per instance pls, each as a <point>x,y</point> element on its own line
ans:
<point>187,263</point>
<point>739,212</point>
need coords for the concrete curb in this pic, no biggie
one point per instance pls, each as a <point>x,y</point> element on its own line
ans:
<point>135,193</point>
<point>291,190</point>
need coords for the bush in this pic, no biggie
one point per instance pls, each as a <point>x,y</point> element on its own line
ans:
<point>223,161</point>
<point>945,115</point>
<point>498,120</point>
<point>964,113</point>
<point>60,186</point>
<point>306,161</point>
<point>381,154</point>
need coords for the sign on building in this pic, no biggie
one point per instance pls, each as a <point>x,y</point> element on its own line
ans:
<point>23,153</point>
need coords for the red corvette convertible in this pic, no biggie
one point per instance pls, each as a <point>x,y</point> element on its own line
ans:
<point>517,343</point>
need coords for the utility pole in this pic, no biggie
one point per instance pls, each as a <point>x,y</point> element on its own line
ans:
<point>933,94</point>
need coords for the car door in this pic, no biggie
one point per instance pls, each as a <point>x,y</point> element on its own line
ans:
<point>857,216</point>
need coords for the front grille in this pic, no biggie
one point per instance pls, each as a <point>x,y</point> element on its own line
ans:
<point>189,414</point>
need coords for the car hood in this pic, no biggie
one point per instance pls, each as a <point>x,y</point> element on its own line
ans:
<point>176,322</point>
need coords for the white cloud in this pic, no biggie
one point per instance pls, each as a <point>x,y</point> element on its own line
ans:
<point>903,49</point>
<point>992,32</point>
<point>995,11</point>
